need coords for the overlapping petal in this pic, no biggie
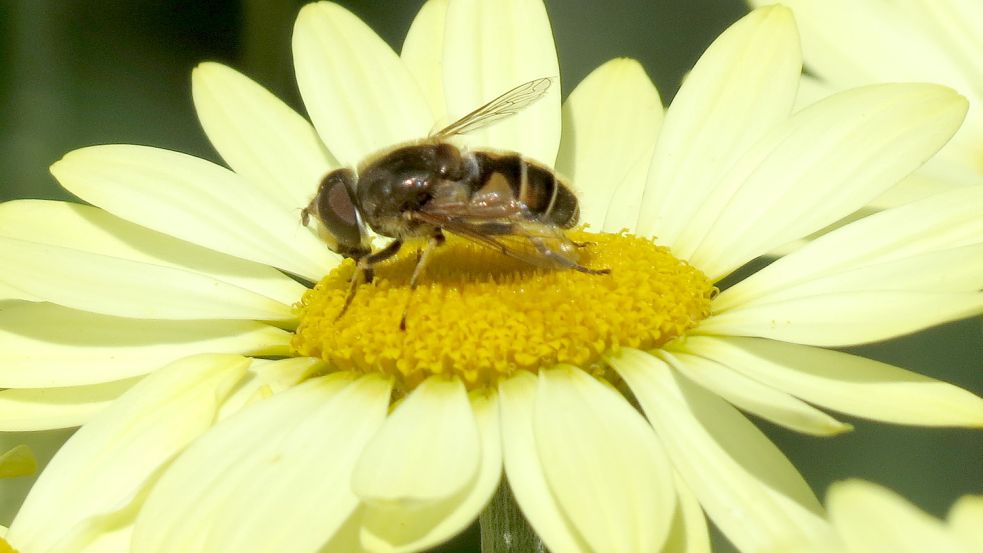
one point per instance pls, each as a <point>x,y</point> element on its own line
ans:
<point>96,479</point>
<point>604,465</point>
<point>274,477</point>
<point>423,54</point>
<point>259,136</point>
<point>847,383</point>
<point>194,200</point>
<point>359,95</point>
<point>492,47</point>
<point>739,89</point>
<point>92,230</point>
<point>414,525</point>
<point>525,470</point>
<point>822,164</point>
<point>610,122</point>
<point>45,345</point>
<point>755,397</point>
<point>744,483</point>
<point>29,409</point>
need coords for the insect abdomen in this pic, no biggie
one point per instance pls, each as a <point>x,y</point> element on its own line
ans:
<point>545,195</point>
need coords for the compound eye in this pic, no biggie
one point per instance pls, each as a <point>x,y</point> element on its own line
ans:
<point>337,211</point>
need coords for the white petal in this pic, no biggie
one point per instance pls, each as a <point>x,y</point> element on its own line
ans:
<point>930,245</point>
<point>407,528</point>
<point>89,229</point>
<point>103,468</point>
<point>603,464</point>
<point>490,48</point>
<point>525,470</point>
<point>847,383</point>
<point>423,54</point>
<point>46,408</point>
<point>739,89</point>
<point>428,449</point>
<point>755,397</point>
<point>125,288</point>
<point>358,93</point>
<point>689,532</point>
<point>610,122</point>
<point>872,518</point>
<point>745,484</point>
<point>44,345</point>
<point>259,136</point>
<point>824,163</point>
<point>272,478</point>
<point>194,200</point>
<point>845,318</point>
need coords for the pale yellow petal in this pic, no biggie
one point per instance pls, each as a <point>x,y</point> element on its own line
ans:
<point>966,520</point>
<point>744,483</point>
<point>46,345</point>
<point>739,89</point>
<point>423,54</point>
<point>931,245</point>
<point>427,450</point>
<point>845,318</point>
<point>689,530</point>
<point>89,229</point>
<point>266,378</point>
<point>824,163</point>
<point>408,527</point>
<point>124,288</point>
<point>490,48</point>
<point>755,397</point>
<point>46,408</point>
<point>847,383</point>
<point>18,461</point>
<point>358,93</point>
<point>194,200</point>
<point>525,471</point>
<point>603,464</point>
<point>103,469</point>
<point>275,477</point>
<point>873,519</point>
<point>259,136</point>
<point>610,122</point>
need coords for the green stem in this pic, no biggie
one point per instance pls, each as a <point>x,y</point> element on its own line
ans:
<point>504,529</point>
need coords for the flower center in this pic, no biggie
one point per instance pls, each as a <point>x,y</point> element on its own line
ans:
<point>481,316</point>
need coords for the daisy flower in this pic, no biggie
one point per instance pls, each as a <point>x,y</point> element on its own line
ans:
<point>227,406</point>
<point>849,44</point>
<point>868,518</point>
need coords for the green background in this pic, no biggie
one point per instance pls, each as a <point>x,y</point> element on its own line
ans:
<point>82,72</point>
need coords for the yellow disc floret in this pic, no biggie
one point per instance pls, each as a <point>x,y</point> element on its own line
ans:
<point>480,316</point>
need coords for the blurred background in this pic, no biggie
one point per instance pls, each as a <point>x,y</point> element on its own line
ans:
<point>87,72</point>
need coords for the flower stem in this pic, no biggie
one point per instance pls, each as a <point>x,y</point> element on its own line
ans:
<point>504,529</point>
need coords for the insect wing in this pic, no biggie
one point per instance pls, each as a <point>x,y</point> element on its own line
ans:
<point>506,105</point>
<point>536,243</point>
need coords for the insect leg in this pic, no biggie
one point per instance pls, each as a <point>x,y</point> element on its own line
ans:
<point>563,261</point>
<point>421,264</point>
<point>363,270</point>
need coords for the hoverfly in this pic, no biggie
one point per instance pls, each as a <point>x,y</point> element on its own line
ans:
<point>427,187</point>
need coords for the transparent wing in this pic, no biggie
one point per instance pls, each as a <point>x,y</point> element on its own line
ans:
<point>536,243</point>
<point>506,105</point>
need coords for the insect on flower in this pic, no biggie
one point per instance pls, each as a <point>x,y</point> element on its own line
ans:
<point>422,189</point>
